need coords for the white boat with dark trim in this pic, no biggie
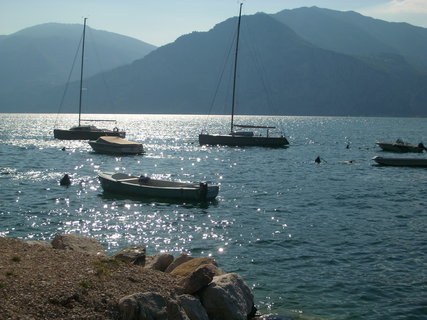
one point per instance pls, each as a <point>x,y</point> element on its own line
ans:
<point>241,138</point>
<point>401,146</point>
<point>145,187</point>
<point>116,145</point>
<point>401,162</point>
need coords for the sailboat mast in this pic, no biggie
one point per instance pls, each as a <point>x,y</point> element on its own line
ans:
<point>233,102</point>
<point>81,69</point>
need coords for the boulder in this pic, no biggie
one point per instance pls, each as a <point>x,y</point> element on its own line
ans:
<point>178,261</point>
<point>158,262</point>
<point>198,279</point>
<point>143,306</point>
<point>78,243</point>
<point>151,306</point>
<point>133,254</point>
<point>190,266</point>
<point>228,297</point>
<point>192,307</point>
<point>175,311</point>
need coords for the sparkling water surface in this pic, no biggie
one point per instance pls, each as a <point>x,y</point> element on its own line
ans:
<point>314,241</point>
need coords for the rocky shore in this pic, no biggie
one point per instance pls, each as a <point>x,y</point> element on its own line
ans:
<point>71,277</point>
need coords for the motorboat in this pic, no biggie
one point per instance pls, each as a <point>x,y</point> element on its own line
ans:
<point>401,146</point>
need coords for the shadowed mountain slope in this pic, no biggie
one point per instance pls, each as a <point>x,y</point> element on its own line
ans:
<point>306,61</point>
<point>39,57</point>
<point>279,73</point>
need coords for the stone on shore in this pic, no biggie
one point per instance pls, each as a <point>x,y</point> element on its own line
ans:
<point>158,262</point>
<point>134,254</point>
<point>228,297</point>
<point>143,306</point>
<point>152,306</point>
<point>200,278</point>
<point>183,257</point>
<point>190,266</point>
<point>78,243</point>
<point>192,307</point>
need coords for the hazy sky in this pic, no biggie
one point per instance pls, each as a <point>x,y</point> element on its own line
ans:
<point>161,21</point>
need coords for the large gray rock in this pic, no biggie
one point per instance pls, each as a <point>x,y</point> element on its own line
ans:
<point>228,297</point>
<point>182,258</point>
<point>175,311</point>
<point>190,266</point>
<point>143,306</point>
<point>192,307</point>
<point>133,254</point>
<point>78,243</point>
<point>151,306</point>
<point>158,262</point>
<point>199,279</point>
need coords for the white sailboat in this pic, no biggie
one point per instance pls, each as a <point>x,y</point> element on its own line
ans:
<point>242,138</point>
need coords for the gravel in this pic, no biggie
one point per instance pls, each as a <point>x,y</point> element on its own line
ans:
<point>39,282</point>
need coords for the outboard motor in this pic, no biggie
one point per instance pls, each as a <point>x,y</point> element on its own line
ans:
<point>203,190</point>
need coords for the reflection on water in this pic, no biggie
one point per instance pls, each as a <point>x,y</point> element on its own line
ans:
<point>334,240</point>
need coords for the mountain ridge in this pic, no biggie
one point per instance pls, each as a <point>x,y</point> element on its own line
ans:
<point>304,74</point>
<point>40,57</point>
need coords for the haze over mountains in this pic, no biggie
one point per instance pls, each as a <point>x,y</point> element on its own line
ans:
<point>39,58</point>
<point>306,61</point>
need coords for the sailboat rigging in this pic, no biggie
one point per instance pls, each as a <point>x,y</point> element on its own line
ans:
<point>85,132</point>
<point>241,138</point>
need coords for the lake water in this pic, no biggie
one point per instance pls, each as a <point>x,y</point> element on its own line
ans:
<point>313,241</point>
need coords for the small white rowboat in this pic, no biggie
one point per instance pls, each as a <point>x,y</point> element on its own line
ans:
<point>125,184</point>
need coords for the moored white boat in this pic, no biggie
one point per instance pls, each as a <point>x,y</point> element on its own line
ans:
<point>401,162</point>
<point>116,145</point>
<point>400,146</point>
<point>146,187</point>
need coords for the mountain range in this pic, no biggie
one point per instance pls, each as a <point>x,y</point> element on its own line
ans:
<point>39,58</point>
<point>306,61</point>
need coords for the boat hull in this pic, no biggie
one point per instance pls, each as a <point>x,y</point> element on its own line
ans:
<point>401,162</point>
<point>400,147</point>
<point>63,134</point>
<point>123,184</point>
<point>242,140</point>
<point>108,148</point>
